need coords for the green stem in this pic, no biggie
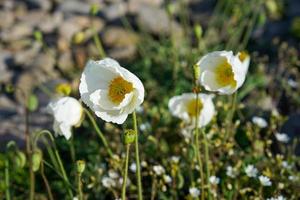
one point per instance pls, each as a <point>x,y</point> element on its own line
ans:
<point>198,148</point>
<point>46,182</point>
<point>100,134</point>
<point>137,159</point>
<point>125,173</point>
<point>206,155</point>
<point>98,43</point>
<point>60,163</point>
<point>231,114</point>
<point>79,185</point>
<point>7,193</point>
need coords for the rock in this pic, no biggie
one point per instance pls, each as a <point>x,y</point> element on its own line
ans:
<point>9,19</point>
<point>25,83</point>
<point>25,57</point>
<point>16,32</point>
<point>115,10</point>
<point>41,4</point>
<point>44,62</point>
<point>65,62</point>
<point>119,37</point>
<point>122,43</point>
<point>134,5</point>
<point>5,75</point>
<point>73,25</point>
<point>156,21</point>
<point>75,7</point>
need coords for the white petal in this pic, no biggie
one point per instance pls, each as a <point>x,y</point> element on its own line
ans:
<point>211,60</point>
<point>177,106</point>
<point>208,110</point>
<point>209,82</point>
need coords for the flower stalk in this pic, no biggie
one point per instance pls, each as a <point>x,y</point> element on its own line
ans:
<point>7,192</point>
<point>125,172</point>
<point>137,159</point>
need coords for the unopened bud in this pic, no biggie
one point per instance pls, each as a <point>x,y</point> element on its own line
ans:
<point>196,70</point>
<point>80,166</point>
<point>129,136</point>
<point>36,160</point>
<point>20,159</point>
<point>198,31</point>
<point>63,89</point>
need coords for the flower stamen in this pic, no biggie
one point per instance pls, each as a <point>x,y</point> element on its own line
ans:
<point>192,107</point>
<point>225,75</point>
<point>118,88</point>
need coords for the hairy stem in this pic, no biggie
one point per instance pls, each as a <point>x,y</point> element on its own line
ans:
<point>125,173</point>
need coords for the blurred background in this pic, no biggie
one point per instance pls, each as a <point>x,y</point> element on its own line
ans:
<point>45,42</point>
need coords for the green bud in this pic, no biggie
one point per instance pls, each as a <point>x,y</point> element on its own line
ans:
<point>80,166</point>
<point>36,160</point>
<point>79,38</point>
<point>32,103</point>
<point>38,36</point>
<point>20,159</point>
<point>129,136</point>
<point>198,31</point>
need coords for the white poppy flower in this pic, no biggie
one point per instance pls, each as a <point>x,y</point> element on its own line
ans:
<point>184,107</point>
<point>251,171</point>
<point>245,59</point>
<point>221,71</point>
<point>214,180</point>
<point>194,192</point>
<point>260,122</point>
<point>159,170</point>
<point>282,137</point>
<point>110,90</point>
<point>265,181</point>
<point>67,112</point>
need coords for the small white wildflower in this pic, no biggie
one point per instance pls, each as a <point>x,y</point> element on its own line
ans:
<point>282,137</point>
<point>164,188</point>
<point>175,159</point>
<point>144,164</point>
<point>132,167</point>
<point>292,83</point>
<point>108,182</point>
<point>113,174</point>
<point>75,198</point>
<point>251,171</point>
<point>158,169</point>
<point>293,178</point>
<point>194,192</point>
<point>214,180</point>
<point>167,178</point>
<point>139,109</point>
<point>277,198</point>
<point>286,165</point>
<point>128,182</point>
<point>265,181</point>
<point>145,126</point>
<point>260,122</point>
<point>231,172</point>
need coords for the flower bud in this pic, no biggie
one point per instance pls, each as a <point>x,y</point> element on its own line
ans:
<point>20,159</point>
<point>80,166</point>
<point>129,136</point>
<point>36,160</point>
<point>198,31</point>
<point>63,89</point>
<point>196,70</point>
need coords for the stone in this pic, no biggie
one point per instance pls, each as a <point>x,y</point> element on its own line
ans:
<point>9,19</point>
<point>65,62</point>
<point>115,11</point>
<point>24,57</point>
<point>41,4</point>
<point>16,32</point>
<point>5,75</point>
<point>156,21</point>
<point>73,25</point>
<point>134,5</point>
<point>75,7</point>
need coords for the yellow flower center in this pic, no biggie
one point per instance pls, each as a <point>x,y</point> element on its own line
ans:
<point>192,106</point>
<point>224,74</point>
<point>118,88</point>
<point>243,55</point>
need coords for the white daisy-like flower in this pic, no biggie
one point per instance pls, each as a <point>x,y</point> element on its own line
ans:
<point>282,137</point>
<point>251,171</point>
<point>145,126</point>
<point>67,112</point>
<point>221,71</point>
<point>260,122</point>
<point>265,181</point>
<point>110,90</point>
<point>108,182</point>
<point>167,178</point>
<point>231,172</point>
<point>194,192</point>
<point>214,180</point>
<point>159,170</point>
<point>185,107</point>
<point>132,167</point>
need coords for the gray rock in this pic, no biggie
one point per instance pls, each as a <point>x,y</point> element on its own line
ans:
<point>9,19</point>
<point>156,21</point>
<point>16,32</point>
<point>73,25</point>
<point>44,62</point>
<point>41,4</point>
<point>5,75</point>
<point>65,62</point>
<point>115,10</point>
<point>134,5</point>
<point>77,7</point>
<point>25,57</point>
